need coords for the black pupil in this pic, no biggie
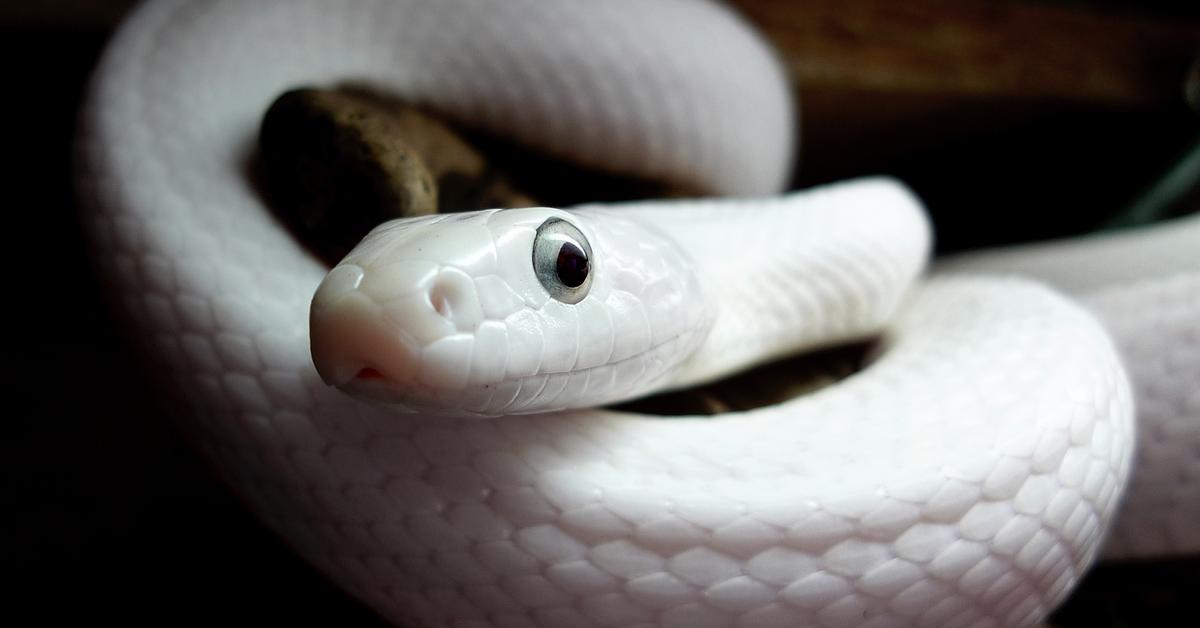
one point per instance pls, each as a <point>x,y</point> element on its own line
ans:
<point>572,265</point>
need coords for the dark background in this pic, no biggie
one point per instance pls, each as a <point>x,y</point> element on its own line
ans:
<point>109,516</point>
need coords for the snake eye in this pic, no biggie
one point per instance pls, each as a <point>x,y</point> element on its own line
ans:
<point>562,260</point>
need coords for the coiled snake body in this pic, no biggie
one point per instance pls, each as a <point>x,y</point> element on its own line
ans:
<point>966,477</point>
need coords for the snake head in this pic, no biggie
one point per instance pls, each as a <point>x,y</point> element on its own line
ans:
<point>507,311</point>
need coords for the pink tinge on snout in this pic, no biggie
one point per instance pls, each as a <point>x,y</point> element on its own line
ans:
<point>351,338</point>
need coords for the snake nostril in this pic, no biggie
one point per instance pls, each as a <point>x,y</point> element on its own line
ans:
<point>441,304</point>
<point>441,296</point>
<point>453,301</point>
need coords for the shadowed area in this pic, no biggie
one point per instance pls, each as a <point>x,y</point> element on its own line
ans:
<point>764,385</point>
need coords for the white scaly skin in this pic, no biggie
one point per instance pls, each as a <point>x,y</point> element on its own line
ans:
<point>965,478</point>
<point>1144,285</point>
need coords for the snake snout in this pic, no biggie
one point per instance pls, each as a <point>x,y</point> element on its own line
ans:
<point>350,336</point>
<point>394,332</point>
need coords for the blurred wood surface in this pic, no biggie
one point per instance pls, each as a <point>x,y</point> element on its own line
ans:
<point>1005,50</point>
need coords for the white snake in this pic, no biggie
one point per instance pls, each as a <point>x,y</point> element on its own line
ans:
<point>966,477</point>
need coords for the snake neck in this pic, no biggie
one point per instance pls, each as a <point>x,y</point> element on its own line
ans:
<point>813,269</point>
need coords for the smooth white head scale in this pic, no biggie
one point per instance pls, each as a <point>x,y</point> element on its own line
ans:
<point>507,311</point>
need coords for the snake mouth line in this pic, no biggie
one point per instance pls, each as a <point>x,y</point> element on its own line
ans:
<point>369,374</point>
<point>373,382</point>
<point>759,387</point>
<point>764,385</point>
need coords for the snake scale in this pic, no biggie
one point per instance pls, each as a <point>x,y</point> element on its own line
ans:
<point>966,477</point>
